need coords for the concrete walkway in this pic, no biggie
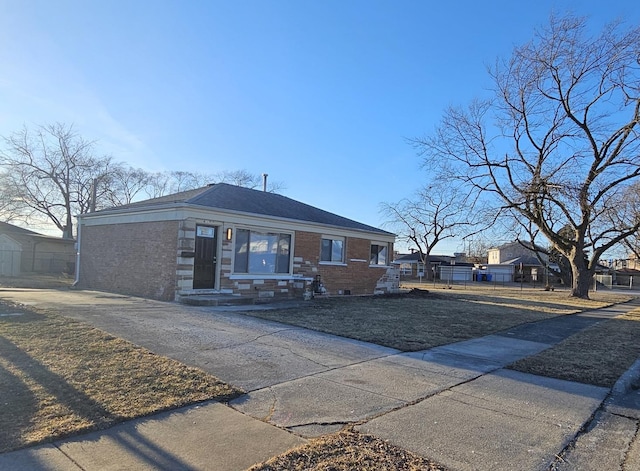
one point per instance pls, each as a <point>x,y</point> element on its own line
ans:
<point>454,404</point>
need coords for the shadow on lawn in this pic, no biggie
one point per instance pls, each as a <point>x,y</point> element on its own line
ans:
<point>15,421</point>
<point>526,304</point>
<point>16,409</point>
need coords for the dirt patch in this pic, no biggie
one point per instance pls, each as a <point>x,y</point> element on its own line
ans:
<point>413,293</point>
<point>37,281</point>
<point>346,451</point>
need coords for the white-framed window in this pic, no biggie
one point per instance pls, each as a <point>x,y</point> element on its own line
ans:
<point>261,252</point>
<point>379,254</point>
<point>332,249</point>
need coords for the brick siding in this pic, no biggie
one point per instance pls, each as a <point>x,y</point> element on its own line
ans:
<point>354,276</point>
<point>136,258</point>
<point>145,259</point>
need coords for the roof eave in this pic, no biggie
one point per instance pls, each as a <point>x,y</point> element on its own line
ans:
<point>184,205</point>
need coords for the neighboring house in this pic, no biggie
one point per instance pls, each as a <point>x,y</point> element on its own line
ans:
<point>231,240</point>
<point>632,262</point>
<point>411,266</point>
<point>627,277</point>
<point>522,259</point>
<point>28,251</point>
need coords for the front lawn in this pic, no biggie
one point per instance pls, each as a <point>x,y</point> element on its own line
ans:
<point>424,319</point>
<point>60,377</point>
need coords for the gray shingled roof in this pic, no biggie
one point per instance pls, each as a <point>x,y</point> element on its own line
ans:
<point>11,229</point>
<point>529,260</point>
<point>233,198</point>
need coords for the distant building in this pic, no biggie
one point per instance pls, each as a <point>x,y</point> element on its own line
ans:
<point>411,266</point>
<point>25,251</point>
<point>521,257</point>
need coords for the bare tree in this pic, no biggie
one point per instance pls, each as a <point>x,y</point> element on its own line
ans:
<point>164,183</point>
<point>558,145</point>
<point>122,185</point>
<point>48,173</point>
<point>629,206</point>
<point>51,173</point>
<point>246,179</point>
<point>436,213</point>
<point>478,249</point>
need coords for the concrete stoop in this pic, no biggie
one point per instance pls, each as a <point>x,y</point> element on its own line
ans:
<point>216,300</point>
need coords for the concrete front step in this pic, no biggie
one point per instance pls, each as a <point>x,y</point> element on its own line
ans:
<point>216,300</point>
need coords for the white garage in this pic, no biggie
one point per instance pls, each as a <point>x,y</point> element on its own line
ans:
<point>10,253</point>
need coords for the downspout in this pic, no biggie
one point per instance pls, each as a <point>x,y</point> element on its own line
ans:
<point>79,230</point>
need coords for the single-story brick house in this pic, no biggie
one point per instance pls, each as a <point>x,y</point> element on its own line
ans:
<point>231,240</point>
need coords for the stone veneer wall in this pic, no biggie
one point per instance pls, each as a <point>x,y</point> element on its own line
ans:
<point>354,277</point>
<point>135,258</point>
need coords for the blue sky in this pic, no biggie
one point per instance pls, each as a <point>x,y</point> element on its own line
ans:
<point>321,95</point>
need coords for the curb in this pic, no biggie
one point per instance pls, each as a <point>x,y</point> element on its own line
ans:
<point>629,380</point>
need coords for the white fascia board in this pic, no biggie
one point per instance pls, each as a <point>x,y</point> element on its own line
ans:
<point>217,216</point>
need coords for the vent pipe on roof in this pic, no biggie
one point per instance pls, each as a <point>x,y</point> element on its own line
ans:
<point>264,181</point>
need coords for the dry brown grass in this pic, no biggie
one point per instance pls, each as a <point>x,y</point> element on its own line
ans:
<point>38,280</point>
<point>60,377</point>
<point>348,450</point>
<point>427,319</point>
<point>598,355</point>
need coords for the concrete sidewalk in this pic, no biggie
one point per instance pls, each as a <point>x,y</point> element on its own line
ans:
<point>209,436</point>
<point>454,404</point>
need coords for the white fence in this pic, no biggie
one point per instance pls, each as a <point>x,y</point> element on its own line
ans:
<point>14,262</point>
<point>10,262</point>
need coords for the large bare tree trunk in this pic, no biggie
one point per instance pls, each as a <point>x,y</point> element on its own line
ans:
<point>582,277</point>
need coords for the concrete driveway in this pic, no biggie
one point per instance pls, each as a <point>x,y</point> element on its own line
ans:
<point>454,404</point>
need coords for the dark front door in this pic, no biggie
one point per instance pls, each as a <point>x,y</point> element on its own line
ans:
<point>204,268</point>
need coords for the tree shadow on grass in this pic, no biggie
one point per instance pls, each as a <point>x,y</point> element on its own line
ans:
<point>20,411</point>
<point>26,406</point>
<point>17,406</point>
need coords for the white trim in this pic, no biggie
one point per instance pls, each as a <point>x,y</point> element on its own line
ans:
<point>332,237</point>
<point>175,212</point>
<point>333,264</point>
<point>78,240</point>
<point>267,276</point>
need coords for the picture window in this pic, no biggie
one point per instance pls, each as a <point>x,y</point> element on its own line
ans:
<point>261,252</point>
